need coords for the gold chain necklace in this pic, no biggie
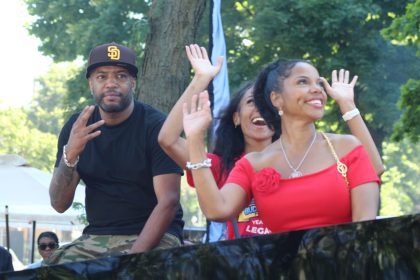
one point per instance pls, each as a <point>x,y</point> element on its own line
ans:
<point>296,172</point>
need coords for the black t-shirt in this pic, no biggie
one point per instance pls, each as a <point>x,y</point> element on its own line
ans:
<point>118,169</point>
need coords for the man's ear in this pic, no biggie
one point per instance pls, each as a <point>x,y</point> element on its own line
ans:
<point>236,119</point>
<point>276,99</point>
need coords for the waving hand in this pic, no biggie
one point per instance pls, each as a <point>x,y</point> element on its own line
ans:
<point>198,118</point>
<point>200,61</point>
<point>341,90</point>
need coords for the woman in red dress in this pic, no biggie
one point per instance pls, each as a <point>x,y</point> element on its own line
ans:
<point>304,179</point>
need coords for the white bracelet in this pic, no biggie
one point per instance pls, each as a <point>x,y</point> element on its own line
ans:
<point>205,163</point>
<point>66,161</point>
<point>351,114</point>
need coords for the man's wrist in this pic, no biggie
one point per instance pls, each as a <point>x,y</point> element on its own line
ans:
<point>67,161</point>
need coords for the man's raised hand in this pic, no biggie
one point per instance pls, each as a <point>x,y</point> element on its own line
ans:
<point>81,133</point>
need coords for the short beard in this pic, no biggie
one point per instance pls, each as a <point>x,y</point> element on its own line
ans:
<point>115,108</point>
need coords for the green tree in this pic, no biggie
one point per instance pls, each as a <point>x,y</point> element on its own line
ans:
<point>193,216</point>
<point>400,192</point>
<point>405,30</point>
<point>158,30</point>
<point>19,137</point>
<point>82,216</point>
<point>46,110</point>
<point>332,34</point>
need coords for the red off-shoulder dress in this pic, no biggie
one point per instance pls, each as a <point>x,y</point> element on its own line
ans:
<point>314,200</point>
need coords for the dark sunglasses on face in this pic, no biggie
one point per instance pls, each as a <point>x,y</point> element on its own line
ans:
<point>44,246</point>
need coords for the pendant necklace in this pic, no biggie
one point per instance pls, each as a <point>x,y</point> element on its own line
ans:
<point>296,172</point>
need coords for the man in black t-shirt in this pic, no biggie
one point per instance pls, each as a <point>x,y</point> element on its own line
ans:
<point>132,186</point>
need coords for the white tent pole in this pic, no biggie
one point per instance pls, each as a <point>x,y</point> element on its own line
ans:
<point>33,241</point>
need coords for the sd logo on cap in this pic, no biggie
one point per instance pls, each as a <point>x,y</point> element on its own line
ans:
<point>112,54</point>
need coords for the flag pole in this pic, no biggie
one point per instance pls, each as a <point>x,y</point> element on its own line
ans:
<point>210,88</point>
<point>220,84</point>
<point>218,92</point>
<point>6,212</point>
<point>211,97</point>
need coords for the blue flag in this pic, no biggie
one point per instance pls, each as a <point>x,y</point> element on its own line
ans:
<point>221,94</point>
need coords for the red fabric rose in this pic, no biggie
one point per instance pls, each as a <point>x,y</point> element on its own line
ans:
<point>267,180</point>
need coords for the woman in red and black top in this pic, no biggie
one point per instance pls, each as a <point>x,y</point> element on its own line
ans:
<point>241,130</point>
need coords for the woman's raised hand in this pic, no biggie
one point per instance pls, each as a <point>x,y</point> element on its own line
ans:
<point>197,119</point>
<point>341,90</point>
<point>201,63</point>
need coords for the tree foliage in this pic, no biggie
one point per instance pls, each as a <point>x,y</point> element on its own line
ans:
<point>70,29</point>
<point>331,33</point>
<point>405,30</point>
<point>46,111</point>
<point>193,217</point>
<point>408,126</point>
<point>18,136</point>
<point>400,192</point>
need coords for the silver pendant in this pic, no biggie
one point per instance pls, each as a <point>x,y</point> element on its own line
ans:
<point>295,173</point>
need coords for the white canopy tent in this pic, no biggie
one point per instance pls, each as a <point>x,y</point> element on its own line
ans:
<point>24,190</point>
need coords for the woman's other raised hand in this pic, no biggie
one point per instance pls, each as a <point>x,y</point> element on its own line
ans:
<point>197,118</point>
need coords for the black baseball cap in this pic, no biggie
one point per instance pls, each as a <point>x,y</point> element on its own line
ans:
<point>112,54</point>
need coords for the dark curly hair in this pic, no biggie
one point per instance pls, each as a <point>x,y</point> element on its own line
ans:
<point>271,79</point>
<point>230,143</point>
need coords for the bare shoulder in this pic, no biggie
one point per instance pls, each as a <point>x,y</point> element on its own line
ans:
<point>254,157</point>
<point>343,143</point>
<point>264,158</point>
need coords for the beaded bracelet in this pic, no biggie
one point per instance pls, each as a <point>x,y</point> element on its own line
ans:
<point>351,114</point>
<point>205,163</point>
<point>66,161</point>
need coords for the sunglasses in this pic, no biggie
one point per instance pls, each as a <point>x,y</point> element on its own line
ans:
<point>51,245</point>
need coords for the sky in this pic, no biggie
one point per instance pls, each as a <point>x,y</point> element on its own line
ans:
<point>21,61</point>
